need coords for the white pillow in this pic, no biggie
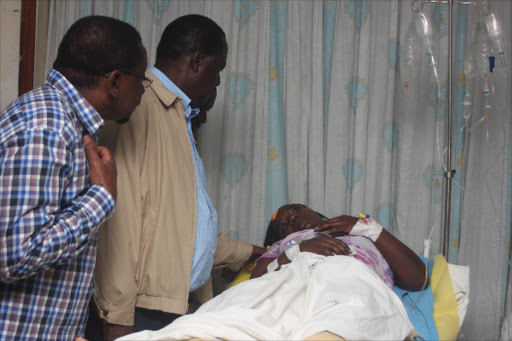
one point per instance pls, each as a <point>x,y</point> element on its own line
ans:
<point>460,281</point>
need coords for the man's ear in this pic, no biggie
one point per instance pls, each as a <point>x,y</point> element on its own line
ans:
<point>197,60</point>
<point>113,83</point>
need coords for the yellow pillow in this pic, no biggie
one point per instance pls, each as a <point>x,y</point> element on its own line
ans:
<point>446,316</point>
<point>243,275</point>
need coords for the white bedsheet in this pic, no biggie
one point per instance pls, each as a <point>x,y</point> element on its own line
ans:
<point>312,294</point>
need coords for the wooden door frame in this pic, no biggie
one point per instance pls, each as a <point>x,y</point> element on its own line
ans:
<point>27,46</point>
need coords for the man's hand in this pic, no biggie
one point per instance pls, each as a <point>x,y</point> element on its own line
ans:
<point>257,251</point>
<point>342,224</point>
<point>102,166</point>
<point>114,331</point>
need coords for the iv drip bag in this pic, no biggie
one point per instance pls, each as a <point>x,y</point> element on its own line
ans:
<point>483,53</point>
<point>496,36</point>
<point>494,29</point>
<point>425,30</point>
<point>411,55</point>
<point>469,64</point>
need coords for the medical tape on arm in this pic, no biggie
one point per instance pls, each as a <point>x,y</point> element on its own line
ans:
<point>272,266</point>
<point>290,253</point>
<point>367,228</point>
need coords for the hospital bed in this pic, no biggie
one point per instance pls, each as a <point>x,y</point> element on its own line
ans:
<point>274,306</point>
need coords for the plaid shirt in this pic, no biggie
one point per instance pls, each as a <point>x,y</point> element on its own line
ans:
<point>49,214</point>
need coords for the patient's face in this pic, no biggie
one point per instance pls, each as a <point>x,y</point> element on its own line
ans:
<point>293,218</point>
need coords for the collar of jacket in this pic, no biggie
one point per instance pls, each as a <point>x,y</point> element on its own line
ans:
<point>167,97</point>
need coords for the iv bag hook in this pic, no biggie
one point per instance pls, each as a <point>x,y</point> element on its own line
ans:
<point>417,9</point>
<point>486,8</point>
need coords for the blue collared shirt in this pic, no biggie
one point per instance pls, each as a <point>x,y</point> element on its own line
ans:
<point>49,213</point>
<point>206,230</point>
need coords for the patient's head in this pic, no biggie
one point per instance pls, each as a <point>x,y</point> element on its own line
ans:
<point>289,219</point>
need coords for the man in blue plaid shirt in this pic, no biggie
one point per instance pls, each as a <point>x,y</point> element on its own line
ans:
<point>56,185</point>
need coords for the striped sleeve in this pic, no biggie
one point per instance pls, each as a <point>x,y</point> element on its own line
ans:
<point>36,167</point>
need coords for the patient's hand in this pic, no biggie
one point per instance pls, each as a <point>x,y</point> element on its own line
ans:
<point>326,246</point>
<point>342,224</point>
<point>321,245</point>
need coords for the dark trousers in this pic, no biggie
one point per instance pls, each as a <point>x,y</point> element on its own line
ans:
<point>145,319</point>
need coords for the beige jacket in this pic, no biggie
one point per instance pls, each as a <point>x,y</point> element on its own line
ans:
<point>145,250</point>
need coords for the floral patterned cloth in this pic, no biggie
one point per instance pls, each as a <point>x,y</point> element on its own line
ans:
<point>363,249</point>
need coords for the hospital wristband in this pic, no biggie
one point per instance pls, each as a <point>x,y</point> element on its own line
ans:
<point>292,252</point>
<point>371,231</point>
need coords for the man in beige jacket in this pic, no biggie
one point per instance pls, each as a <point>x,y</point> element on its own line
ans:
<point>160,245</point>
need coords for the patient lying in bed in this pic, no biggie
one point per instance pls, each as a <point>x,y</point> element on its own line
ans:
<point>310,283</point>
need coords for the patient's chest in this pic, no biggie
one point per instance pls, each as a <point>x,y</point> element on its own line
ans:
<point>363,250</point>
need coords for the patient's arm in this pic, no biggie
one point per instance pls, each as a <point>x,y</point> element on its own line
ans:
<point>408,269</point>
<point>261,266</point>
<point>230,275</point>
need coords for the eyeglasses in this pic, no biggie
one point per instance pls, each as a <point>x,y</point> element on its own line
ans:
<point>146,82</point>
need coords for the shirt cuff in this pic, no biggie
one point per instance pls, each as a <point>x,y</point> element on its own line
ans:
<point>98,203</point>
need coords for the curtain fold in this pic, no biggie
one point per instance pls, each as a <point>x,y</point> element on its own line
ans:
<point>319,105</point>
<point>303,107</point>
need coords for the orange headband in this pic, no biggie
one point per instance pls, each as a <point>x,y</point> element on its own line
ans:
<point>274,216</point>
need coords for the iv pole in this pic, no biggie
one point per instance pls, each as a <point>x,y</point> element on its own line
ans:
<point>449,171</point>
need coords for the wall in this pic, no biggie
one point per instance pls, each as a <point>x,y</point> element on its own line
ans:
<point>10,14</point>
